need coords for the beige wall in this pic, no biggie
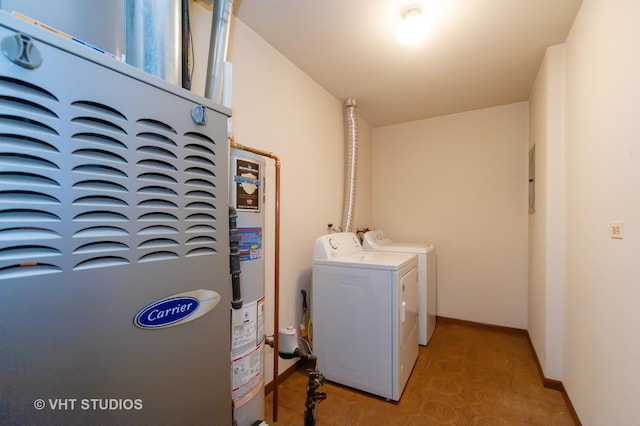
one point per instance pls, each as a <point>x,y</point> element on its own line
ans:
<point>602,309</point>
<point>460,182</point>
<point>547,225</point>
<point>278,108</point>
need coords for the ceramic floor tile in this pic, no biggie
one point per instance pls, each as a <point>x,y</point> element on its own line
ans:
<point>466,376</point>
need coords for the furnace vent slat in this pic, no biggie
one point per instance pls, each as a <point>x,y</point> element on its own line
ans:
<point>99,200</point>
<point>157,216</point>
<point>158,256</point>
<point>200,171</point>
<point>12,179</point>
<point>99,123</point>
<point>101,232</point>
<point>27,216</point>
<point>201,194</point>
<point>99,154</point>
<point>99,139</point>
<point>200,182</point>
<point>157,164</point>
<point>28,233</point>
<point>27,197</point>
<point>157,177</point>
<point>21,142</point>
<point>158,242</point>
<point>100,216</point>
<point>99,185</point>
<point>27,252</point>
<point>156,124</point>
<point>25,88</point>
<point>157,190</point>
<point>26,124</point>
<point>200,217</point>
<point>201,251</point>
<point>158,230</point>
<point>99,108</point>
<point>156,150</point>
<point>200,228</point>
<point>101,262</point>
<point>27,270</point>
<point>199,148</point>
<point>200,205</point>
<point>157,203</point>
<point>200,137</point>
<point>201,239</point>
<point>100,246</point>
<point>25,161</point>
<point>201,160</point>
<point>158,138</point>
<point>100,169</point>
<point>25,105</point>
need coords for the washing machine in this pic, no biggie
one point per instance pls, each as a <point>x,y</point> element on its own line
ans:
<point>376,240</point>
<point>365,315</point>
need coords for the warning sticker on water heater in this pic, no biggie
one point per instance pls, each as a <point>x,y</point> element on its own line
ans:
<point>247,182</point>
<point>250,246</point>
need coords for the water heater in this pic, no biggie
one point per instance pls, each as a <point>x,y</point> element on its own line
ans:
<point>247,330</point>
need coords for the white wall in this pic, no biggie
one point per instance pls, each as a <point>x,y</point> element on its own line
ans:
<point>460,182</point>
<point>277,108</point>
<point>602,310</point>
<point>547,224</point>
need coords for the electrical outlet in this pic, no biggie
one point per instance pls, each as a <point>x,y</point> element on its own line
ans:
<point>617,229</point>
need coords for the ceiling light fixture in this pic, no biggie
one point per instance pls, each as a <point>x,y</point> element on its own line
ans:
<point>413,27</point>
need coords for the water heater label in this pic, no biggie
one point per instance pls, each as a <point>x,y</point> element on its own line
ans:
<point>250,245</point>
<point>176,309</point>
<point>247,182</point>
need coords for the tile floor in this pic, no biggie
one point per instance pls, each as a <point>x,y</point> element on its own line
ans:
<point>467,375</point>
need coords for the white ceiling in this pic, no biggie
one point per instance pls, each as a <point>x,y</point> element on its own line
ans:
<point>478,53</point>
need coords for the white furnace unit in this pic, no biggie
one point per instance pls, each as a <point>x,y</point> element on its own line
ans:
<point>365,315</point>
<point>376,240</point>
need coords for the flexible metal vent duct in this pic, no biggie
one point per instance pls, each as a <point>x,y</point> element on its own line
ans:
<point>153,37</point>
<point>351,164</point>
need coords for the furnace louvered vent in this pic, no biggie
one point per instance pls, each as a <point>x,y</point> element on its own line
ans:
<point>87,185</point>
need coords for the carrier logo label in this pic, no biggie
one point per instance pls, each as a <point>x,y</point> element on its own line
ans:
<point>176,309</point>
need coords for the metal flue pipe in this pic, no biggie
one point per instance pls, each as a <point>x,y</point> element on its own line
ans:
<point>152,37</point>
<point>218,48</point>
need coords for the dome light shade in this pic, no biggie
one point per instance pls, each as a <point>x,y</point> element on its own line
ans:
<point>413,27</point>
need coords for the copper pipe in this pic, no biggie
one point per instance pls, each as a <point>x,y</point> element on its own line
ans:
<point>276,274</point>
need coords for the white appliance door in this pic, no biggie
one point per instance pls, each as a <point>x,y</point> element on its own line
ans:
<point>407,315</point>
<point>352,327</point>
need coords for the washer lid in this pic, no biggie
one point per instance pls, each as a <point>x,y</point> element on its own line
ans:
<point>376,240</point>
<point>334,245</point>
<point>371,260</point>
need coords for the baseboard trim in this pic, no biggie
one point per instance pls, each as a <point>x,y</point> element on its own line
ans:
<point>501,328</point>
<point>284,375</point>
<point>555,385</point>
<point>547,383</point>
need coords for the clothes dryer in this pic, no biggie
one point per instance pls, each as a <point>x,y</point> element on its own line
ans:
<point>376,240</point>
<point>365,315</point>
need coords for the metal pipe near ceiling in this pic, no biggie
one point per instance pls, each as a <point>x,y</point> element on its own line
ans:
<point>276,290</point>
<point>351,165</point>
<point>218,48</point>
<point>153,37</point>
